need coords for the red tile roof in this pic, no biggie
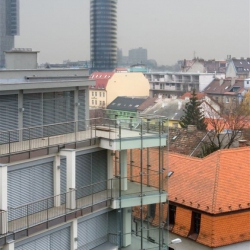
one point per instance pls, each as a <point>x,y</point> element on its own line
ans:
<point>189,94</point>
<point>101,79</point>
<point>215,184</point>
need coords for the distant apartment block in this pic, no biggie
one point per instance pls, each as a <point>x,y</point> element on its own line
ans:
<point>139,55</point>
<point>9,26</point>
<point>238,68</point>
<point>198,65</point>
<point>176,84</point>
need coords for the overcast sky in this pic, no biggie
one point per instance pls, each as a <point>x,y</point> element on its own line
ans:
<point>169,29</point>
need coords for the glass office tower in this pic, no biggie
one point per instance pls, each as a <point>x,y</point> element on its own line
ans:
<point>103,34</point>
<point>9,26</point>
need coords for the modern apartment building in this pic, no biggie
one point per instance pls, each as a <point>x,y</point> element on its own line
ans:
<point>139,55</point>
<point>60,186</point>
<point>103,35</point>
<point>9,26</point>
<point>177,83</point>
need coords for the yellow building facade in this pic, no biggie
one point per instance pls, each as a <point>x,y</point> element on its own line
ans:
<point>113,85</point>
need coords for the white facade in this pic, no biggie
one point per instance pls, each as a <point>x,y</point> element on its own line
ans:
<point>178,83</point>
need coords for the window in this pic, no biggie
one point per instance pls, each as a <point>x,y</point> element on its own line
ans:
<point>171,216</point>
<point>100,94</point>
<point>227,99</point>
<point>195,226</point>
<point>95,93</point>
<point>103,103</point>
<point>100,103</point>
<point>152,208</point>
<point>175,124</point>
<point>92,93</point>
<point>103,94</point>
<point>93,102</point>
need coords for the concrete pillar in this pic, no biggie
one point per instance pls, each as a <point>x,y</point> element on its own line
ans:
<point>76,108</point>
<point>20,114</point>
<point>123,170</point>
<point>73,235</point>
<point>126,226</point>
<point>57,189</point>
<point>71,173</point>
<point>9,246</point>
<point>3,199</point>
<point>110,168</point>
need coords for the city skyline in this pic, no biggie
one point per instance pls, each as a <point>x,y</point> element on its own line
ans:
<point>169,30</point>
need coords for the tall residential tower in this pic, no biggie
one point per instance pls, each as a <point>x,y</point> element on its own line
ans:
<point>103,34</point>
<point>9,26</point>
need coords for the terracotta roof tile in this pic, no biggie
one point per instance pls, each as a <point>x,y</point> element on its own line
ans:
<point>207,182</point>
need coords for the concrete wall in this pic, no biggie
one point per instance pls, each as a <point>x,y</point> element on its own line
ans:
<point>127,84</point>
<point>197,67</point>
<point>204,81</point>
<point>230,72</point>
<point>9,75</point>
<point>21,60</point>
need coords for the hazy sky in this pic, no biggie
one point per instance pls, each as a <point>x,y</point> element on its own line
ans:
<point>169,29</point>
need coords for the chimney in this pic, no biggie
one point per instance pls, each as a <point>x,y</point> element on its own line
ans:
<point>191,128</point>
<point>242,143</point>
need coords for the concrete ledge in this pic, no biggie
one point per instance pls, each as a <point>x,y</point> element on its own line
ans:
<point>128,201</point>
<point>106,246</point>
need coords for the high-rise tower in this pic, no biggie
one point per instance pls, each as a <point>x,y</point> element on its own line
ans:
<point>9,26</point>
<point>103,34</point>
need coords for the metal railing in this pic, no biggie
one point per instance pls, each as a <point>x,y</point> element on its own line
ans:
<point>44,210</point>
<point>26,139</point>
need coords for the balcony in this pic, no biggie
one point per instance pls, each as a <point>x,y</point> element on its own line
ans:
<point>37,141</point>
<point>28,219</point>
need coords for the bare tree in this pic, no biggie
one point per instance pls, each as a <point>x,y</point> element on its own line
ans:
<point>225,127</point>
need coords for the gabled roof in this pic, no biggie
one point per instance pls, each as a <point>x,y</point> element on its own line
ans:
<point>216,184</point>
<point>199,95</point>
<point>150,101</point>
<point>101,79</point>
<point>215,66</point>
<point>126,103</point>
<point>229,86</point>
<point>171,108</point>
<point>186,142</point>
<point>243,63</point>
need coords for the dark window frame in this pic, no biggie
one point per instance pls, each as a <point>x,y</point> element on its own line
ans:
<point>195,225</point>
<point>171,217</point>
